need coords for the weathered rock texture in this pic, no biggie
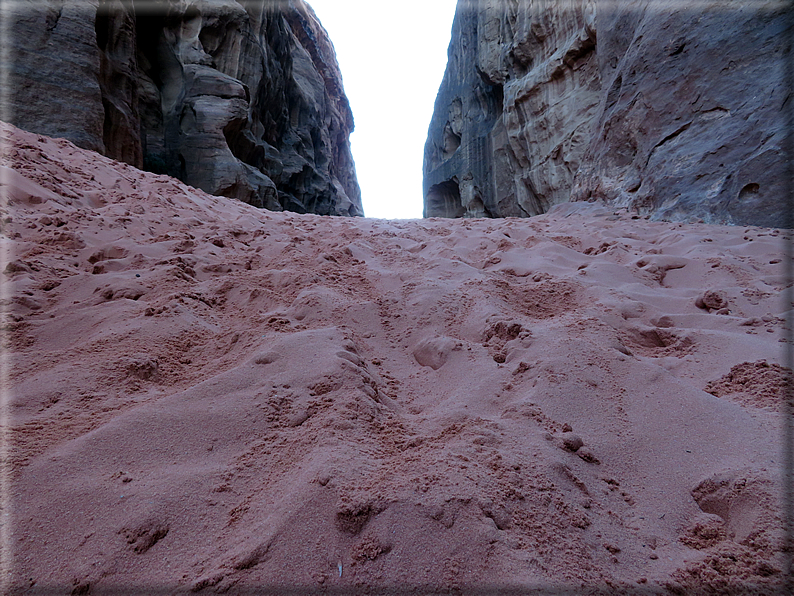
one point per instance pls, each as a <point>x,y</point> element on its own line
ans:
<point>239,98</point>
<point>673,110</point>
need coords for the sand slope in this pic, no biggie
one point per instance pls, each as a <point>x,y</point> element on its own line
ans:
<point>212,398</point>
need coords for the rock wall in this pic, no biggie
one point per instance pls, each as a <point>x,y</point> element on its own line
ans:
<point>239,98</point>
<point>672,110</point>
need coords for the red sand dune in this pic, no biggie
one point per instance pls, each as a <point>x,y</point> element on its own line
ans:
<point>208,397</point>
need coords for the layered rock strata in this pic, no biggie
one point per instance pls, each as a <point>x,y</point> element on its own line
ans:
<point>674,111</point>
<point>239,98</point>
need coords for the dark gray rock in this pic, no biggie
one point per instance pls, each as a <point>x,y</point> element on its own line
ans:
<point>676,113</point>
<point>239,98</point>
<point>53,70</point>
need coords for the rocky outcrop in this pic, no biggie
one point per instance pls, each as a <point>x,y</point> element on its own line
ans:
<point>676,112</point>
<point>239,98</point>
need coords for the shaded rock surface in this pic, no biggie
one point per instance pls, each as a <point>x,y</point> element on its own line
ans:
<point>241,99</point>
<point>673,111</point>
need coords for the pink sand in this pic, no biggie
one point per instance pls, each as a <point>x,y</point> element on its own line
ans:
<point>211,397</point>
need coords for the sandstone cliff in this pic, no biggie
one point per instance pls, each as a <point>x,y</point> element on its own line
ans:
<point>675,111</point>
<point>239,98</point>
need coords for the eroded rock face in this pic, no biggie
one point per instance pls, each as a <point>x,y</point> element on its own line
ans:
<point>239,98</point>
<point>677,113</point>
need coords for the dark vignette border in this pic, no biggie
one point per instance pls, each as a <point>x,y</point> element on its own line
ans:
<point>788,297</point>
<point>416,590</point>
<point>787,437</point>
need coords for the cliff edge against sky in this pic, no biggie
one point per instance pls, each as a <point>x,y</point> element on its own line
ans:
<point>241,99</point>
<point>673,110</point>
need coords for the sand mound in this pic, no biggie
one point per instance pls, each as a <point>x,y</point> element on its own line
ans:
<point>208,398</point>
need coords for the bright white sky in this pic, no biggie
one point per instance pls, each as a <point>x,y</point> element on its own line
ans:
<point>392,56</point>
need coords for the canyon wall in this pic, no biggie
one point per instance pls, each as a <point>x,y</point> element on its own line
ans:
<point>238,98</point>
<point>672,110</point>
